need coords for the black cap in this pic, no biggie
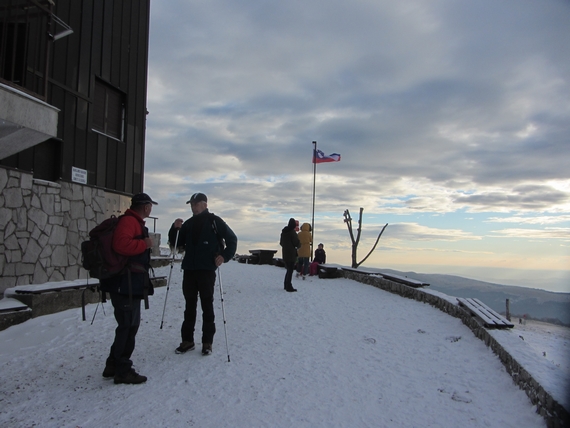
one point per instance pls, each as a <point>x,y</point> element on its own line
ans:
<point>292,223</point>
<point>197,197</point>
<point>142,199</point>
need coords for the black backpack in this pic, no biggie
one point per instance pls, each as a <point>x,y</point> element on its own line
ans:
<point>97,254</point>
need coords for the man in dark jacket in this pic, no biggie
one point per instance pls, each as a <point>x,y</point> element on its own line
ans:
<point>208,242</point>
<point>129,288</point>
<point>173,239</point>
<point>289,242</point>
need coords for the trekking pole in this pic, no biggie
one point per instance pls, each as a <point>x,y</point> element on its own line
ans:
<point>223,312</point>
<point>96,307</point>
<point>169,276</point>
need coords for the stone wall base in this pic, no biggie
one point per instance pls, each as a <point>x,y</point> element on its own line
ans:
<point>8,319</point>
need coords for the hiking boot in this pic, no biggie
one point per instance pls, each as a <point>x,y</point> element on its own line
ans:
<point>132,378</point>
<point>206,348</point>
<point>109,371</point>
<point>185,347</point>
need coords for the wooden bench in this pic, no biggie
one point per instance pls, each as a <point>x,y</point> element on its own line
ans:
<point>404,280</point>
<point>484,314</point>
<point>12,305</point>
<point>360,270</point>
<point>58,296</point>
<point>263,257</point>
<point>13,312</point>
<point>396,278</point>
<point>328,271</point>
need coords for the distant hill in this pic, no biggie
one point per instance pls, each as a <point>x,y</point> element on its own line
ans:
<point>537,304</point>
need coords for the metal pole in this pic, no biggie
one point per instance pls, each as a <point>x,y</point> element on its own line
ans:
<point>223,311</point>
<point>314,186</point>
<point>170,275</point>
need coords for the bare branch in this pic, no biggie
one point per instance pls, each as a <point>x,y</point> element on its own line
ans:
<point>348,221</point>
<point>355,242</point>
<point>359,230</point>
<point>374,247</point>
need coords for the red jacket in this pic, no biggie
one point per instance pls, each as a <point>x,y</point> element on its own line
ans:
<point>128,238</point>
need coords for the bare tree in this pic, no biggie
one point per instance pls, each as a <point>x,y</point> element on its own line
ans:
<point>355,242</point>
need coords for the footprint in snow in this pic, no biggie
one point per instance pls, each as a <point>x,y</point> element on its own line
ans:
<point>461,398</point>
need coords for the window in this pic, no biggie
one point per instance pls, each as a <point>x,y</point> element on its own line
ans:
<point>109,110</point>
<point>13,45</point>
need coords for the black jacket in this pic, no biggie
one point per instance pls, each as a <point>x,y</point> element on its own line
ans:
<point>320,256</point>
<point>201,242</point>
<point>289,242</point>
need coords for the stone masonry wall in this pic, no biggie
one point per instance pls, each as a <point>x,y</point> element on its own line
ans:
<point>553,412</point>
<point>42,225</point>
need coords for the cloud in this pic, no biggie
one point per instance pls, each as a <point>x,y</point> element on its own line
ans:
<point>562,233</point>
<point>531,197</point>
<point>417,232</point>
<point>532,220</point>
<point>435,108</point>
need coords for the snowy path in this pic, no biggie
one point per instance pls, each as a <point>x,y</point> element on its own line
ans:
<point>335,354</point>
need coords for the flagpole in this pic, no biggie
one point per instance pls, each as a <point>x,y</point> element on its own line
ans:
<point>314,186</point>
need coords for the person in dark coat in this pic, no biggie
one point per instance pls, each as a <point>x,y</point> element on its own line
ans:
<point>128,289</point>
<point>320,255</point>
<point>208,242</point>
<point>173,239</point>
<point>319,259</point>
<point>289,243</point>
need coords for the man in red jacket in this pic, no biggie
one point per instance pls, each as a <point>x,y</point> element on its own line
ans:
<point>129,288</point>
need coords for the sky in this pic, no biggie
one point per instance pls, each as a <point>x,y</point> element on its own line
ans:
<point>336,353</point>
<point>452,120</point>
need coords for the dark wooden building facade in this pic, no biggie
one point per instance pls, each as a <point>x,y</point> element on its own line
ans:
<point>95,55</point>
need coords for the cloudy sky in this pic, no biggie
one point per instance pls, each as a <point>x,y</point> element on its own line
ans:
<point>452,120</point>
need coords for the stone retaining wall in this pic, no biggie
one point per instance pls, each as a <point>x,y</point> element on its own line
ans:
<point>42,225</point>
<point>552,411</point>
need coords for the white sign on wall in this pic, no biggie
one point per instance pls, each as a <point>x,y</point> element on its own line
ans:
<point>78,175</point>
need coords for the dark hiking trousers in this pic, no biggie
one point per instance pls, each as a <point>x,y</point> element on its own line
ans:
<point>199,282</point>
<point>303,265</point>
<point>128,316</point>
<point>290,266</point>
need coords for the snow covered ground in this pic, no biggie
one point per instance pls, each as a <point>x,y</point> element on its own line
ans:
<point>335,354</point>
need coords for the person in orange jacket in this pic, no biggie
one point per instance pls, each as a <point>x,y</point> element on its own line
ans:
<point>304,252</point>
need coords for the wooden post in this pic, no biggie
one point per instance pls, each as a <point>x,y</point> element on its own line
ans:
<point>508,310</point>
